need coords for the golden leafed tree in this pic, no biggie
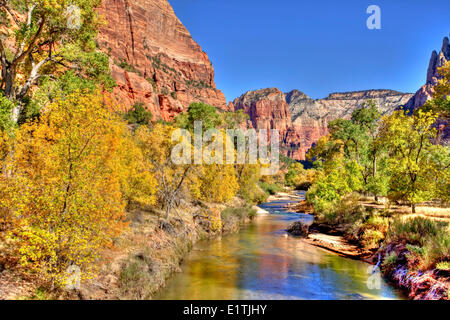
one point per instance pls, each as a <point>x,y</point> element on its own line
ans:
<point>65,187</point>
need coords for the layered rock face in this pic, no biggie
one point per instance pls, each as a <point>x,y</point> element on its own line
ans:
<point>154,59</point>
<point>425,93</point>
<point>302,120</point>
<point>266,108</point>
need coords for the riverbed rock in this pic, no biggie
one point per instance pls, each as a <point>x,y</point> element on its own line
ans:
<point>428,285</point>
<point>298,228</point>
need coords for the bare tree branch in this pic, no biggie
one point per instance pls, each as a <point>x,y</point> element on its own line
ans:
<point>35,75</point>
<point>32,43</point>
<point>29,20</point>
<point>4,63</point>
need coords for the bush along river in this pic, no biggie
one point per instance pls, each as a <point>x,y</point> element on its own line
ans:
<point>263,262</point>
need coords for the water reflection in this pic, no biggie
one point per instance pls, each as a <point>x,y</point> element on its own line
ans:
<point>263,262</point>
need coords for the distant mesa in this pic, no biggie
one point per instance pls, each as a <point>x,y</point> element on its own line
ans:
<point>302,120</point>
<point>155,61</point>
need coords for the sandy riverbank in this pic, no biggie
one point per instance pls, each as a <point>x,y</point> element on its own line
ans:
<point>427,285</point>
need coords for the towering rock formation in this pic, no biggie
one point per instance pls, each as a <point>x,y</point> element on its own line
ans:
<point>267,109</point>
<point>437,60</point>
<point>302,120</point>
<point>154,59</point>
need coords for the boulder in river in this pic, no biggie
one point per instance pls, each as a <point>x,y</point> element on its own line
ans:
<point>298,228</point>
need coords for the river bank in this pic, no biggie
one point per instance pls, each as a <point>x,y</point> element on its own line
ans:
<point>144,257</point>
<point>154,253</point>
<point>263,262</point>
<point>393,257</point>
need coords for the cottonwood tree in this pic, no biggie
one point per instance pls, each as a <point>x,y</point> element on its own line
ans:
<point>65,196</point>
<point>408,139</point>
<point>358,138</point>
<point>38,42</point>
<point>157,146</point>
<point>373,152</point>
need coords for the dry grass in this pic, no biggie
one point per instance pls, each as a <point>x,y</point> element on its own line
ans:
<point>428,210</point>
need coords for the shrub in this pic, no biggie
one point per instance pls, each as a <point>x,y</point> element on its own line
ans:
<point>126,66</point>
<point>389,261</point>
<point>428,240</point>
<point>136,278</point>
<point>6,106</point>
<point>165,91</point>
<point>253,195</point>
<point>270,188</point>
<point>443,265</point>
<point>347,210</point>
<point>240,213</point>
<point>138,115</point>
<point>436,250</point>
<point>260,197</point>
<point>414,231</point>
<point>152,82</point>
<point>372,238</point>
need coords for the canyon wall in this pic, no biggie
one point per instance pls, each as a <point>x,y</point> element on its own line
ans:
<point>425,93</point>
<point>302,120</point>
<point>154,59</point>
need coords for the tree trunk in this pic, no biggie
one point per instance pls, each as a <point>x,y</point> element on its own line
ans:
<point>15,113</point>
<point>374,172</point>
<point>413,207</point>
<point>9,84</point>
<point>168,211</point>
<point>374,169</point>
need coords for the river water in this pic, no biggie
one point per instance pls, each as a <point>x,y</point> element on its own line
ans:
<point>263,262</point>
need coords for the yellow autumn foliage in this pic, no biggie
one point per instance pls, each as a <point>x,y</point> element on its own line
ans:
<point>64,193</point>
<point>215,183</point>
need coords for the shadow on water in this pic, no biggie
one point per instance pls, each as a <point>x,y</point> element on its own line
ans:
<point>264,262</point>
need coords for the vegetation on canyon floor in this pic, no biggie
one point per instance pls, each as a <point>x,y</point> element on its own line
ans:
<point>398,160</point>
<point>80,180</point>
<point>74,170</point>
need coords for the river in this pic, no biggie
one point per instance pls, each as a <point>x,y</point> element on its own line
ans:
<point>263,262</point>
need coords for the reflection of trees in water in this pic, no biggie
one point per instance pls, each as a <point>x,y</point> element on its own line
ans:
<point>261,262</point>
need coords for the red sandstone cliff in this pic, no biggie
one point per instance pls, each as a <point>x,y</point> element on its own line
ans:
<point>302,120</point>
<point>307,119</point>
<point>154,59</point>
<point>425,93</point>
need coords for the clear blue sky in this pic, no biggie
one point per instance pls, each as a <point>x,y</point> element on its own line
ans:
<point>318,46</point>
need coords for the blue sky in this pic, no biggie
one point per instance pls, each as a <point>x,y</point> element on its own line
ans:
<point>318,46</point>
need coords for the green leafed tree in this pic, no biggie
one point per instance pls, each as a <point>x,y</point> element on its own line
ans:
<point>138,115</point>
<point>199,111</point>
<point>44,39</point>
<point>409,139</point>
